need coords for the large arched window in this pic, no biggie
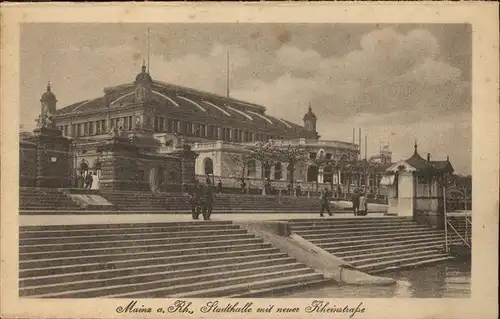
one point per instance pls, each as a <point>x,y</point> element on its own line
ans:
<point>312,173</point>
<point>252,168</point>
<point>277,171</point>
<point>208,166</point>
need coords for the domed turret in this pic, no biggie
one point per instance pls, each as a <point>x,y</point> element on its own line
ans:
<point>144,76</point>
<point>310,120</point>
<point>48,96</point>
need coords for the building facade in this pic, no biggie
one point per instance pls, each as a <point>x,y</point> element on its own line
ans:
<point>160,117</point>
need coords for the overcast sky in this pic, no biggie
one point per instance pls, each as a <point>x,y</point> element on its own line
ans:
<point>397,82</point>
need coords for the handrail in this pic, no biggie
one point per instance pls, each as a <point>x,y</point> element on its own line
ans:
<point>456,232</point>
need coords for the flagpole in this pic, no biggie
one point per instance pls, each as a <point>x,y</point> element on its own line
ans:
<point>227,74</point>
<point>149,36</point>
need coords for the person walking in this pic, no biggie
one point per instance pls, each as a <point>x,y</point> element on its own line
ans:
<point>324,202</point>
<point>88,180</point>
<point>219,187</point>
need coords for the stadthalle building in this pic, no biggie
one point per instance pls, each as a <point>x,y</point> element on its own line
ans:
<point>163,115</point>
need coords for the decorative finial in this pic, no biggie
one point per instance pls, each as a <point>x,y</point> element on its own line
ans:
<point>415,146</point>
<point>48,86</point>
<point>143,65</point>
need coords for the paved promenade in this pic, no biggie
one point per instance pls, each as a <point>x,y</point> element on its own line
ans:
<point>31,220</point>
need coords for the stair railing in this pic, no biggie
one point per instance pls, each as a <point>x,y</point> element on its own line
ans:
<point>447,223</point>
<point>467,223</point>
<point>457,233</point>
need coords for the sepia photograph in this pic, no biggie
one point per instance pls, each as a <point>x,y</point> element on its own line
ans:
<point>180,160</point>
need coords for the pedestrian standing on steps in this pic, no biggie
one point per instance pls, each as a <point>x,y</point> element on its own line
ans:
<point>195,196</point>
<point>355,202</point>
<point>363,206</point>
<point>208,199</point>
<point>323,197</point>
<point>219,187</point>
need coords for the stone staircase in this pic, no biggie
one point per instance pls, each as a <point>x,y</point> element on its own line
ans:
<point>376,244</point>
<point>147,201</point>
<point>175,259</point>
<point>243,202</point>
<point>34,198</point>
<point>54,199</point>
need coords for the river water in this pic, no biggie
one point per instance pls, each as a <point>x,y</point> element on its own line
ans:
<point>451,279</point>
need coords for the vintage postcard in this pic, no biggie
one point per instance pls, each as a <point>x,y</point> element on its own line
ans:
<point>201,160</point>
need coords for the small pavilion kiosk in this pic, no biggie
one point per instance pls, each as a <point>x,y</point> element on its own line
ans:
<point>415,188</point>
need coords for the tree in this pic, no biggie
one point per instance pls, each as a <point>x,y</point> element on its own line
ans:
<point>291,155</point>
<point>267,155</point>
<point>241,160</point>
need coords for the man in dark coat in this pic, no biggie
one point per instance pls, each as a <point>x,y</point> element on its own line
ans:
<point>208,199</point>
<point>324,202</point>
<point>88,180</point>
<point>195,198</point>
<point>355,202</point>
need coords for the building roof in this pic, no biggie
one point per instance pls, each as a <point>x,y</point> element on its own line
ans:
<point>178,99</point>
<point>421,164</point>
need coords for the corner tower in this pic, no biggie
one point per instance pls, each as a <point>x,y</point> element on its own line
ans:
<point>310,120</point>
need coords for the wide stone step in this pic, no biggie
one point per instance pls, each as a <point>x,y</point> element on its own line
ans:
<point>126,285</point>
<point>254,285</point>
<point>216,287</point>
<point>352,219</point>
<point>334,248</point>
<point>371,231</point>
<point>350,227</point>
<point>126,236</point>
<point>56,283</point>
<point>137,262</point>
<point>121,225</point>
<point>396,256</point>
<point>400,262</point>
<point>45,277</point>
<point>357,238</point>
<point>412,264</point>
<point>129,242</point>
<point>326,238</point>
<point>115,260</point>
<point>198,228</point>
<point>375,240</point>
<point>281,289</point>
<point>136,248</point>
<point>186,254</point>
<point>351,255</point>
